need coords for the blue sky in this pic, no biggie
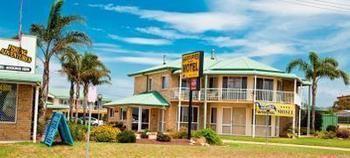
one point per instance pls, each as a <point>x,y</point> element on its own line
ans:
<point>130,35</point>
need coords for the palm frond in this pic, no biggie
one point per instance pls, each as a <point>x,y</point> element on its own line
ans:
<point>298,63</point>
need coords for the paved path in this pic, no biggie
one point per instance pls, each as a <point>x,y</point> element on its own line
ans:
<point>287,145</point>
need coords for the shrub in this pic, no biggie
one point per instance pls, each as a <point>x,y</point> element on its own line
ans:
<point>343,133</point>
<point>126,136</point>
<point>181,134</point>
<point>163,137</point>
<point>210,136</point>
<point>326,134</point>
<point>144,134</point>
<point>331,128</point>
<point>78,131</point>
<point>104,133</point>
<point>120,125</point>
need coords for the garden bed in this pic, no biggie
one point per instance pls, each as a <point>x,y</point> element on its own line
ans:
<point>172,142</point>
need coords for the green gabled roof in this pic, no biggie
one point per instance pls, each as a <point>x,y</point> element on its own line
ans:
<point>145,99</point>
<point>20,77</point>
<point>62,93</point>
<point>233,66</point>
<point>176,64</point>
<point>242,63</point>
<point>173,65</point>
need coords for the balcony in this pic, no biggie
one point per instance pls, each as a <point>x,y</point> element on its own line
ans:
<point>234,95</point>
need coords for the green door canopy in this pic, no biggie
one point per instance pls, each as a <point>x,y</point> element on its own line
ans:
<point>153,98</point>
<point>20,77</point>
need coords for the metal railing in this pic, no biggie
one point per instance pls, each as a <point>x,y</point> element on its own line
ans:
<point>233,94</point>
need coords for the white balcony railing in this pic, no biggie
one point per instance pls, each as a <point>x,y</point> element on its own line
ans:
<point>234,94</point>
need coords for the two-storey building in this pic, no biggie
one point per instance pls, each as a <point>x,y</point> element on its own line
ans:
<point>227,102</point>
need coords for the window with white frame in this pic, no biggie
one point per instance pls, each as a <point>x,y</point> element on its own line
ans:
<point>8,103</point>
<point>111,112</point>
<point>213,117</point>
<point>184,117</point>
<point>63,101</point>
<point>165,82</point>
<point>122,115</point>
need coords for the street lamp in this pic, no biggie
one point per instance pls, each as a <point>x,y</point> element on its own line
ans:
<point>99,103</point>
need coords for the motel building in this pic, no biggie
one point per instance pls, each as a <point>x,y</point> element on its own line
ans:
<point>231,91</point>
<point>19,89</point>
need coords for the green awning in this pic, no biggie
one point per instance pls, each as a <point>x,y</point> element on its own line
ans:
<point>144,99</point>
<point>20,77</point>
<point>50,105</point>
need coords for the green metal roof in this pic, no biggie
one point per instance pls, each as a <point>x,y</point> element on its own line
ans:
<point>20,77</point>
<point>242,63</point>
<point>145,99</point>
<point>233,66</point>
<point>62,93</point>
<point>50,105</point>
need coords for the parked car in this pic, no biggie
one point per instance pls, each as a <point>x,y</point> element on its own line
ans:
<point>94,121</point>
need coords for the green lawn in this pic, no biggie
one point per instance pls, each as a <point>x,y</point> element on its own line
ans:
<point>302,141</point>
<point>105,150</point>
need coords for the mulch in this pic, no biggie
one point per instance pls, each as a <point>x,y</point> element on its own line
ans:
<point>172,142</point>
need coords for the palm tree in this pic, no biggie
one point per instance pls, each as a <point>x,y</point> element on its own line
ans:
<point>69,67</point>
<point>315,69</point>
<point>53,39</point>
<point>94,72</point>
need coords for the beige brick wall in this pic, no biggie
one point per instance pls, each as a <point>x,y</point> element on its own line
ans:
<point>140,82</point>
<point>21,130</point>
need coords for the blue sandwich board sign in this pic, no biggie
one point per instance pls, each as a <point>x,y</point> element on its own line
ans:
<point>58,123</point>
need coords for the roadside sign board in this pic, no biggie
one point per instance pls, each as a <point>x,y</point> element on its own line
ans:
<point>192,65</point>
<point>275,109</point>
<point>58,124</point>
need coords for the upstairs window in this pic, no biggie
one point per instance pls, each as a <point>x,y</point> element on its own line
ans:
<point>149,84</point>
<point>165,82</point>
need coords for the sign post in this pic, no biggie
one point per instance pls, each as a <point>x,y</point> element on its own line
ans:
<point>91,99</point>
<point>192,70</point>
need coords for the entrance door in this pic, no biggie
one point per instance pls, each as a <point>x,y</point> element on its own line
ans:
<point>226,120</point>
<point>145,119</point>
<point>239,120</point>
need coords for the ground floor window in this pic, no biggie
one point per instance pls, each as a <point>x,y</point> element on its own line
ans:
<point>213,117</point>
<point>184,117</point>
<point>8,102</point>
<point>122,116</point>
<point>144,118</point>
<point>111,112</point>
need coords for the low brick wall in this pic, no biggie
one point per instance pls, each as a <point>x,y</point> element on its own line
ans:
<point>21,130</point>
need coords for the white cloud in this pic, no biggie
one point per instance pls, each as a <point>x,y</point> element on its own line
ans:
<point>140,40</point>
<point>121,87</point>
<point>135,59</point>
<point>196,22</point>
<point>166,33</point>
<point>281,8</point>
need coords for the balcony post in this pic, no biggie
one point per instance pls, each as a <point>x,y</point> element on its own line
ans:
<point>179,103</point>
<point>295,92</point>
<point>205,101</point>
<point>254,100</point>
<point>139,123</point>
<point>220,87</point>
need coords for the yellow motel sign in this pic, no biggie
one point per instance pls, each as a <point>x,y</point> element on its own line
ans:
<point>275,109</point>
<point>192,65</point>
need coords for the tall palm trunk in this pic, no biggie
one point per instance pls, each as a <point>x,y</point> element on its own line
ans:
<point>86,90</point>
<point>71,99</point>
<point>77,96</point>
<point>313,108</point>
<point>45,89</point>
